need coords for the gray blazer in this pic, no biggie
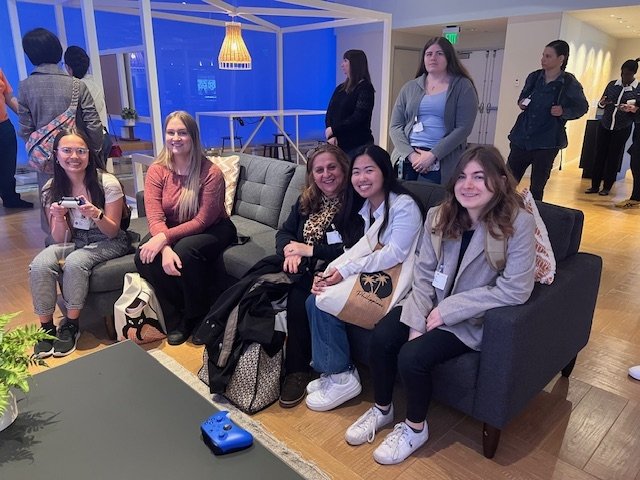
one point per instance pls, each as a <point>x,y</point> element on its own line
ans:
<point>45,94</point>
<point>476,288</point>
<point>460,112</point>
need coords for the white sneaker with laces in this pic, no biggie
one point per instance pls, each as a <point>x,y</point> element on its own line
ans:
<point>364,428</point>
<point>400,443</point>
<point>634,372</point>
<point>334,391</point>
<point>316,384</point>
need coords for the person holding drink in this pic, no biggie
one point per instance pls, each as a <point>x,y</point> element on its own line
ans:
<point>84,207</point>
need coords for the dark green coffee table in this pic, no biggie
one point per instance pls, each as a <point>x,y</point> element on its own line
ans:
<point>118,414</point>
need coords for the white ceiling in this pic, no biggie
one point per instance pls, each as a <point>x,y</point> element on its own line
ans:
<point>618,22</point>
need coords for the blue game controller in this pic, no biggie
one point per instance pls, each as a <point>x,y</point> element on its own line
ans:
<point>223,436</point>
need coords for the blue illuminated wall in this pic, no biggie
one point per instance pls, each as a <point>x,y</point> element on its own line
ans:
<point>188,74</point>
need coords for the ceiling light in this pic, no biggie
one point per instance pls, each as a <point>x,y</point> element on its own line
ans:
<point>233,52</point>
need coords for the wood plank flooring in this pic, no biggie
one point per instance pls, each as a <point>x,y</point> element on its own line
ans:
<point>586,427</point>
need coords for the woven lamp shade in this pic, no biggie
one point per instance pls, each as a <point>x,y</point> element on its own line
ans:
<point>233,52</point>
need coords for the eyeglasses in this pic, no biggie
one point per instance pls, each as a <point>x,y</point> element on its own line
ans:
<point>80,151</point>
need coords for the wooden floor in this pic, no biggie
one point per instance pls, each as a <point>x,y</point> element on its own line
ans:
<point>587,427</point>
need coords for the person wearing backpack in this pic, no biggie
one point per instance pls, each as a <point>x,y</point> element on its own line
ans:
<point>442,317</point>
<point>550,97</point>
<point>45,97</point>
<point>86,230</point>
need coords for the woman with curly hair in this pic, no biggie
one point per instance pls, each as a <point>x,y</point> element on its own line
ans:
<point>442,317</point>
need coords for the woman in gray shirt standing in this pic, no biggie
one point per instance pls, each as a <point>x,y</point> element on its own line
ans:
<point>433,115</point>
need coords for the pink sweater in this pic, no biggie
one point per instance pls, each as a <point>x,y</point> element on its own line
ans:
<point>162,189</point>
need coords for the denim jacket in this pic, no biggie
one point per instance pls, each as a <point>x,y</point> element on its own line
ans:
<point>535,127</point>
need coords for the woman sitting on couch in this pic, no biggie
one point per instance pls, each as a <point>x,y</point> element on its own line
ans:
<point>453,287</point>
<point>189,227</point>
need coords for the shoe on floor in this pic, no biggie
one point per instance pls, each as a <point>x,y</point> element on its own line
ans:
<point>634,372</point>
<point>591,190</point>
<point>603,192</point>
<point>335,390</point>
<point>17,203</point>
<point>67,340</point>
<point>294,389</point>
<point>400,443</point>
<point>628,204</point>
<point>317,383</point>
<point>44,348</point>
<point>177,337</point>
<point>364,428</point>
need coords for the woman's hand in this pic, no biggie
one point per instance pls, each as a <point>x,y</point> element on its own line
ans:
<point>557,111</point>
<point>298,249</point>
<point>434,320</point>
<point>421,160</point>
<point>627,107</point>
<point>413,333</point>
<point>291,263</point>
<point>58,212</point>
<point>328,133</point>
<point>149,250</point>
<point>88,209</point>
<point>324,280</point>
<point>171,263</point>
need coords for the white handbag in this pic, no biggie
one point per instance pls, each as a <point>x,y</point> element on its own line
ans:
<point>145,326</point>
<point>364,298</point>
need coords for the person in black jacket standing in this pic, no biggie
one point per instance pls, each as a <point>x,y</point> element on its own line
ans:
<point>619,103</point>
<point>549,98</point>
<point>348,118</point>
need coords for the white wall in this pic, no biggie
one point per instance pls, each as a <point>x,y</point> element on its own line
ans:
<point>628,49</point>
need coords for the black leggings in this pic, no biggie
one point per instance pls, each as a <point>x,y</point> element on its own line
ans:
<point>187,298</point>
<point>390,353</point>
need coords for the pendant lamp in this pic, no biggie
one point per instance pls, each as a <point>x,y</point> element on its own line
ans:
<point>233,52</point>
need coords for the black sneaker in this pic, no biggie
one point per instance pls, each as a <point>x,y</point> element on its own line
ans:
<point>294,389</point>
<point>67,340</point>
<point>44,348</point>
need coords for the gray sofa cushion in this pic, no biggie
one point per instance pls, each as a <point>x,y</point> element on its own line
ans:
<point>293,192</point>
<point>261,188</point>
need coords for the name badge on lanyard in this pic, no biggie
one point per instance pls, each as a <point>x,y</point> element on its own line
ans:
<point>440,278</point>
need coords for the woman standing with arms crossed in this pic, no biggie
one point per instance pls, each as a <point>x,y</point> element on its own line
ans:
<point>442,317</point>
<point>348,118</point>
<point>188,227</point>
<point>549,98</point>
<point>433,115</point>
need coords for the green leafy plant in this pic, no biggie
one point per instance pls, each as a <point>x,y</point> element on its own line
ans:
<point>128,114</point>
<point>16,356</point>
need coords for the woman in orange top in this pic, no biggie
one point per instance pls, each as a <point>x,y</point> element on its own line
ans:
<point>8,148</point>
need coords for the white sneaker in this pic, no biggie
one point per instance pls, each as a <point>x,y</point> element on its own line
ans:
<point>334,391</point>
<point>364,429</point>
<point>634,372</point>
<point>400,443</point>
<point>315,385</point>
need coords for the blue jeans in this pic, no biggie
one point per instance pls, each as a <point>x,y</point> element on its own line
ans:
<point>330,351</point>
<point>408,173</point>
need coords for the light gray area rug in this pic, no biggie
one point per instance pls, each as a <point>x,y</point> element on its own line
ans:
<point>304,467</point>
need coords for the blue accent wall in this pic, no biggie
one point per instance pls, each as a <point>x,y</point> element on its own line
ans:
<point>188,74</point>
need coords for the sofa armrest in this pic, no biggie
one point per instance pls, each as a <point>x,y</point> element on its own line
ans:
<point>140,204</point>
<point>525,346</point>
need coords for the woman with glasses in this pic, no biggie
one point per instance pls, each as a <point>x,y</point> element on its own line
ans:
<point>188,227</point>
<point>433,115</point>
<point>86,231</point>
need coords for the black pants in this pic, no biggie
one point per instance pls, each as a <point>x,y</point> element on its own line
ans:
<point>541,162</point>
<point>186,299</point>
<point>390,353</point>
<point>609,152</point>
<point>8,158</point>
<point>298,355</point>
<point>635,173</point>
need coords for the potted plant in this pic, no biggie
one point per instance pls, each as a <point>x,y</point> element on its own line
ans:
<point>15,358</point>
<point>129,115</point>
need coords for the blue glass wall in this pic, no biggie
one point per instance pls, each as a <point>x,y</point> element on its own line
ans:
<point>188,74</point>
